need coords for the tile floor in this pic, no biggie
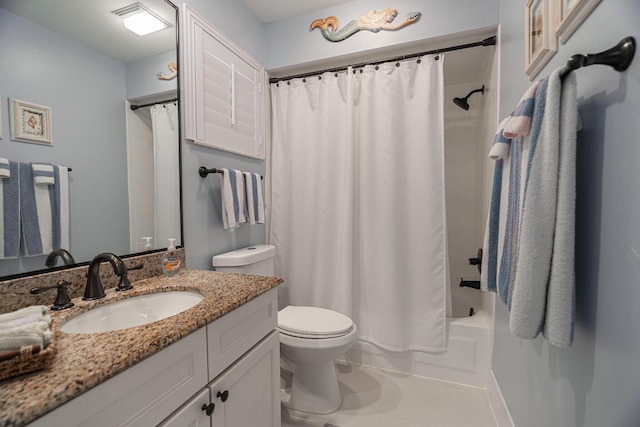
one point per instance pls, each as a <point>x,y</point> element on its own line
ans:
<point>378,398</point>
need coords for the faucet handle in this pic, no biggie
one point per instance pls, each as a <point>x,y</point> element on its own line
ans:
<point>62,298</point>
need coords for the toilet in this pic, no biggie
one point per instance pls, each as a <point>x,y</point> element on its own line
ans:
<point>311,338</point>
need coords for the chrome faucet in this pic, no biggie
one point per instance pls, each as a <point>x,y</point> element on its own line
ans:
<point>64,254</point>
<point>94,289</point>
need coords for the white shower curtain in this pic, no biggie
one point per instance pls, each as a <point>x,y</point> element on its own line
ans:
<point>357,205</point>
<point>164,122</point>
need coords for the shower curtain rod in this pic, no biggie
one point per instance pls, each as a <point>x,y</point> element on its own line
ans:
<point>135,107</point>
<point>489,41</point>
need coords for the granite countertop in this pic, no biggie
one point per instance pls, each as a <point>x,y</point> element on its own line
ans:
<point>83,361</point>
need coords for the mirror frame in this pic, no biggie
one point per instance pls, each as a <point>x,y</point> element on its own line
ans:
<point>180,131</point>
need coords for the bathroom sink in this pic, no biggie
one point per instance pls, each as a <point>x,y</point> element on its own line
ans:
<point>134,311</point>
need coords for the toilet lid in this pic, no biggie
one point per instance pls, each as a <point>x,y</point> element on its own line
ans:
<point>313,321</point>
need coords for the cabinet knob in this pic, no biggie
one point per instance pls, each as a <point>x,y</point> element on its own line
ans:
<point>208,409</point>
<point>223,395</point>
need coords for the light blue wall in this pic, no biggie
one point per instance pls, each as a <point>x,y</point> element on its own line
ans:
<point>141,76</point>
<point>85,91</point>
<point>596,382</point>
<point>290,43</point>
<point>204,235</point>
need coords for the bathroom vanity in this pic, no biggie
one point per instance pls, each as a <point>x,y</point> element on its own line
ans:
<point>216,363</point>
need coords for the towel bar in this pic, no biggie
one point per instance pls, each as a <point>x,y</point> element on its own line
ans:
<point>619,57</point>
<point>203,171</point>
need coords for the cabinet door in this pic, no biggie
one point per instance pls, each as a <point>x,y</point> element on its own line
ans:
<point>224,92</point>
<point>191,413</point>
<point>247,394</point>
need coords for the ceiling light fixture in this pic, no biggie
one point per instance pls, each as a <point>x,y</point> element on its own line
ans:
<point>140,19</point>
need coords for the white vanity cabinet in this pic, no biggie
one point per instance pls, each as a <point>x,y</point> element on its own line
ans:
<point>242,396</point>
<point>223,91</point>
<point>238,351</point>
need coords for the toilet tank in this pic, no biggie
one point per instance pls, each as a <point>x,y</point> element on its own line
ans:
<point>257,259</point>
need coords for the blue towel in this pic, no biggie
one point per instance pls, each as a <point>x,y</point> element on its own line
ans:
<point>500,148</point>
<point>233,205</point>
<point>44,209</point>
<point>255,202</point>
<point>10,211</point>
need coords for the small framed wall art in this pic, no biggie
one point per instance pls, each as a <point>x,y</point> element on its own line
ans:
<point>540,38</point>
<point>30,122</point>
<point>571,14</point>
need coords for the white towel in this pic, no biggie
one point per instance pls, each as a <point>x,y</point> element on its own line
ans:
<point>533,264</point>
<point>255,202</point>
<point>36,333</point>
<point>39,310</point>
<point>5,172</point>
<point>560,310</point>
<point>62,201</point>
<point>233,205</point>
<point>43,174</point>
<point>29,318</point>
<point>10,212</point>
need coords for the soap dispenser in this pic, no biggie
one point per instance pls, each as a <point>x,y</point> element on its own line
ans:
<point>147,246</point>
<point>171,262</point>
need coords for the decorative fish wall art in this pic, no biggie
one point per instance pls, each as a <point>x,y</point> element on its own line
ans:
<point>373,21</point>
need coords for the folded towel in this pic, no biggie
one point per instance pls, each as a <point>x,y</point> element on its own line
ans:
<point>40,310</point>
<point>10,212</point>
<point>519,123</point>
<point>233,206</point>
<point>5,172</point>
<point>500,148</point>
<point>43,174</point>
<point>29,318</point>
<point>37,333</point>
<point>255,202</point>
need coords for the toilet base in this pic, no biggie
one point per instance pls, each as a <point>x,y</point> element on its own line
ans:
<point>314,389</point>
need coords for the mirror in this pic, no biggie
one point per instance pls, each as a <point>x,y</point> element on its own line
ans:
<point>77,59</point>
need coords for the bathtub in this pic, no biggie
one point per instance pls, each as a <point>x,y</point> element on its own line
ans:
<point>466,360</point>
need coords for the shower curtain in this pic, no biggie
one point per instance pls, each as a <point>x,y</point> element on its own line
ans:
<point>357,203</point>
<point>164,123</point>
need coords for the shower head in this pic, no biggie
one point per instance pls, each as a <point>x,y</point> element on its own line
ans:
<point>462,102</point>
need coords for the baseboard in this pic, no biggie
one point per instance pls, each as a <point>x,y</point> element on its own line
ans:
<point>498,404</point>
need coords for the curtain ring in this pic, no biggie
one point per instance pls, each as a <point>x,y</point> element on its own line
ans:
<point>319,77</point>
<point>398,64</point>
<point>437,55</point>
<point>277,84</point>
<point>419,60</point>
<point>288,83</point>
<point>336,74</point>
<point>377,67</point>
<point>361,71</point>
<point>304,80</point>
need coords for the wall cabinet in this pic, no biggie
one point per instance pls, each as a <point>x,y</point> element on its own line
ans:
<point>241,348</point>
<point>223,91</point>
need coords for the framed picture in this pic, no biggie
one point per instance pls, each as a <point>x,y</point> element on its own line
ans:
<point>540,38</point>
<point>571,14</point>
<point>30,122</point>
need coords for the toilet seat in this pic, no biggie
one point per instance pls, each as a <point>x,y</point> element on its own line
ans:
<point>313,322</point>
